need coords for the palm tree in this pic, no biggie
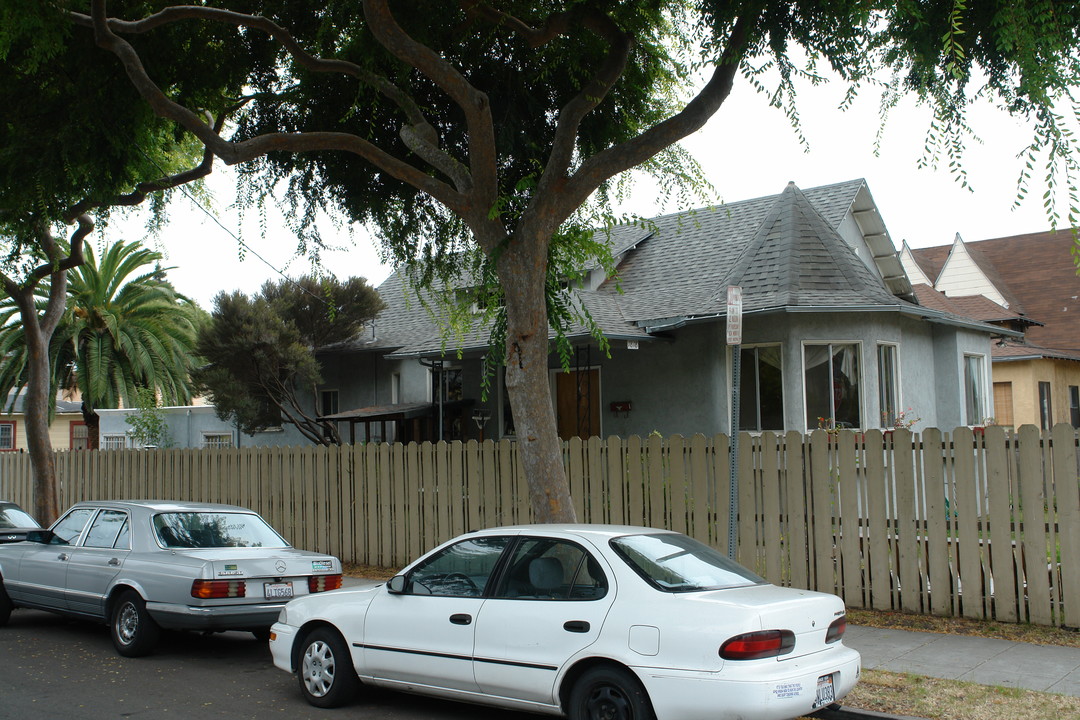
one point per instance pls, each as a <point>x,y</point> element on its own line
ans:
<point>125,328</point>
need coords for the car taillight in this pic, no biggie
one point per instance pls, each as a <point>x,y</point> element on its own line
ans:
<point>208,589</point>
<point>836,630</point>
<point>757,645</point>
<point>322,583</point>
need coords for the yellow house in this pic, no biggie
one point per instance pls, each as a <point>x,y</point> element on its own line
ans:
<point>1024,282</point>
<point>66,432</point>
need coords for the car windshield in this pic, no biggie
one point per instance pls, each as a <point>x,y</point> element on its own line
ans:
<point>13,517</point>
<point>676,563</point>
<point>215,530</point>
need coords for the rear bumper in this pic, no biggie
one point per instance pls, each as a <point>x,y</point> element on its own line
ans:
<point>220,617</point>
<point>760,690</point>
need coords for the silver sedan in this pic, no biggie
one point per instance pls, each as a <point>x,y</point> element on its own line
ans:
<point>145,565</point>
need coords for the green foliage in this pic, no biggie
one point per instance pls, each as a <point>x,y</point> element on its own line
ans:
<point>148,424</point>
<point>125,328</point>
<point>260,351</point>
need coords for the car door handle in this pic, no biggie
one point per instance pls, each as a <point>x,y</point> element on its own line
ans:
<point>578,626</point>
<point>114,561</point>
<point>62,556</point>
<point>461,618</point>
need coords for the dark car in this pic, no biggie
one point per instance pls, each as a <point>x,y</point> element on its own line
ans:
<point>15,523</point>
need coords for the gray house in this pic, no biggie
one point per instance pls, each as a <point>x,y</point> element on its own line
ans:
<point>191,426</point>
<point>832,336</point>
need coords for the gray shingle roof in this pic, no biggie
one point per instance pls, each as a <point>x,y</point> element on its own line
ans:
<point>783,249</point>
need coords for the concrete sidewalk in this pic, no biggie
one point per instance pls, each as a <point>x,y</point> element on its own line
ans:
<point>1047,668</point>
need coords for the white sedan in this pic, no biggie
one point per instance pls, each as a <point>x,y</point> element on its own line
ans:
<point>587,621</point>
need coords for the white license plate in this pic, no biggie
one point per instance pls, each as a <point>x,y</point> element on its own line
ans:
<point>826,695</point>
<point>279,590</point>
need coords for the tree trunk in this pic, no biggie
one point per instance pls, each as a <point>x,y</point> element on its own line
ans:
<point>46,501</point>
<point>522,270</point>
<point>93,426</point>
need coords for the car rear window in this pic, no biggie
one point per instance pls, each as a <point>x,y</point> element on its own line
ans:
<point>676,563</point>
<point>215,530</point>
<point>13,517</point>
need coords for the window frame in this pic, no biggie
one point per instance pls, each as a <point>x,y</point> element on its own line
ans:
<point>979,386</point>
<point>14,425</point>
<point>104,444</point>
<point>205,443</point>
<point>887,415</point>
<point>755,348</point>
<point>1046,405</point>
<point>860,404</point>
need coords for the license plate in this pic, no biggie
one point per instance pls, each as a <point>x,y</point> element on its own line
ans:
<point>279,590</point>
<point>826,695</point>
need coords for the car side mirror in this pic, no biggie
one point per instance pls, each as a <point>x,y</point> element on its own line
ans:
<point>396,586</point>
<point>43,537</point>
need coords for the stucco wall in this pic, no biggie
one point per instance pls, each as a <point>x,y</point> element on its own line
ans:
<point>1025,376</point>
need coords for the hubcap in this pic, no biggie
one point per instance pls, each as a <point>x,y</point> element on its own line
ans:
<point>127,623</point>
<point>608,703</point>
<point>318,668</point>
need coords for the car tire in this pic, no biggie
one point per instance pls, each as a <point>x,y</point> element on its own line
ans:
<point>609,693</point>
<point>134,632</point>
<point>6,606</point>
<point>325,670</point>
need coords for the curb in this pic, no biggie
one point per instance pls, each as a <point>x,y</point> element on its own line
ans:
<point>838,712</point>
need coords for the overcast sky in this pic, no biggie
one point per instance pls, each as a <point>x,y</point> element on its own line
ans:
<point>748,150</point>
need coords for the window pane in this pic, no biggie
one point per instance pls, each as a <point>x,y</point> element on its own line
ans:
<point>973,389</point>
<point>1046,408</point>
<point>215,530</point>
<point>461,570</point>
<point>105,529</point>
<point>676,563</point>
<point>1074,405</point>
<point>761,393</point>
<point>547,569</point>
<point>832,386</point>
<point>113,442</point>
<point>69,527</point>
<point>887,385</point>
<point>7,436</point>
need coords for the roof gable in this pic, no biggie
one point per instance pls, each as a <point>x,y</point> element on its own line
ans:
<point>1037,270</point>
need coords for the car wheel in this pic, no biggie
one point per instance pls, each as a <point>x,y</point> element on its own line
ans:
<point>327,676</point>
<point>609,693</point>
<point>134,632</point>
<point>6,606</point>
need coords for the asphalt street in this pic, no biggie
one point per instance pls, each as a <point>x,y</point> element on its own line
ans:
<point>57,669</point>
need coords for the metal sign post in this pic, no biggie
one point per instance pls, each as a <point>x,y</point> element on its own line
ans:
<point>734,340</point>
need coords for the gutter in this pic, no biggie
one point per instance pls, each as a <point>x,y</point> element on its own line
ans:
<point>933,316</point>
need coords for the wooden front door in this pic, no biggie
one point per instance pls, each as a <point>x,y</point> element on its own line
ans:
<point>577,403</point>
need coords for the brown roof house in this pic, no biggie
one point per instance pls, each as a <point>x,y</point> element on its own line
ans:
<point>1025,283</point>
<point>832,334</point>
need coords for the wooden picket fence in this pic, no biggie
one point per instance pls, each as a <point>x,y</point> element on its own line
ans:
<point>982,525</point>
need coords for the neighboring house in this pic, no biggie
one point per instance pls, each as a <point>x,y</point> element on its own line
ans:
<point>1026,283</point>
<point>831,330</point>
<point>66,432</point>
<point>194,426</point>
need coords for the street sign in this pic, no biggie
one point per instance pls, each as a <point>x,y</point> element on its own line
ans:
<point>734,315</point>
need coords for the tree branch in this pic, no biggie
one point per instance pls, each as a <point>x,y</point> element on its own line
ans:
<point>618,158</point>
<point>474,104</point>
<point>237,152</point>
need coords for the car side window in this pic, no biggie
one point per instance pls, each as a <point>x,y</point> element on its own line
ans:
<point>68,528</point>
<point>550,569</point>
<point>106,529</point>
<point>461,570</point>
